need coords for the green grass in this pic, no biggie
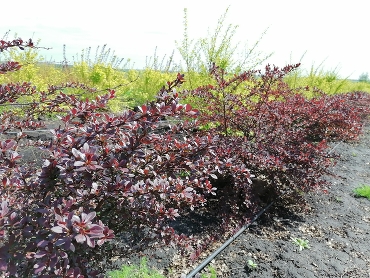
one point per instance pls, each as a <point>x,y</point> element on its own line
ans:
<point>363,191</point>
<point>135,271</point>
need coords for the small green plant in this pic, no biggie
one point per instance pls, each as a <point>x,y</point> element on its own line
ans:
<point>363,191</point>
<point>134,271</point>
<point>302,243</point>
<point>184,174</point>
<point>212,273</point>
<point>252,265</point>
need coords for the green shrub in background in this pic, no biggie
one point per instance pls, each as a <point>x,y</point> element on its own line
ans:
<point>218,47</point>
<point>98,75</point>
<point>29,59</point>
<point>104,70</point>
<point>146,85</point>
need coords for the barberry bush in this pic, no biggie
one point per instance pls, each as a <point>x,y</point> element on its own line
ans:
<point>275,131</point>
<point>102,173</point>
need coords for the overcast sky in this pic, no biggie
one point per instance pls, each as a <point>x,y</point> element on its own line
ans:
<point>335,32</point>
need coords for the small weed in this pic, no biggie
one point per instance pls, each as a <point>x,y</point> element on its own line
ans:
<point>302,243</point>
<point>338,199</point>
<point>354,154</point>
<point>252,265</point>
<point>184,174</point>
<point>135,271</point>
<point>212,273</point>
<point>363,191</point>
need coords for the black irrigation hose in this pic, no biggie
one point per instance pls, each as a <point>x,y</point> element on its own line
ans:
<point>214,254</point>
<point>231,239</point>
<point>334,148</point>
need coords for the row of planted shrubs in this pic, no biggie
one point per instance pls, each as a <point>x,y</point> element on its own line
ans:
<point>105,175</point>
